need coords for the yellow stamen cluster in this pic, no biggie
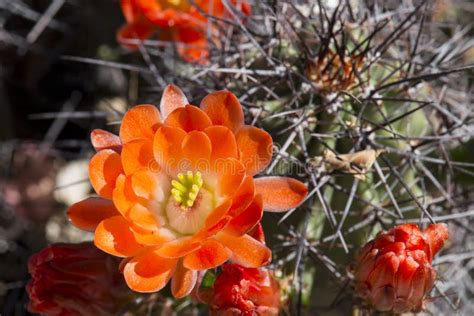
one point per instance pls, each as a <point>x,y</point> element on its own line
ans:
<point>186,188</point>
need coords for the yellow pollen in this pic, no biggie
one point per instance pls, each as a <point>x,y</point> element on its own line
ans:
<point>186,188</point>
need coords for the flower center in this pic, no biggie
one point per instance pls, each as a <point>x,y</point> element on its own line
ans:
<point>174,4</point>
<point>186,188</point>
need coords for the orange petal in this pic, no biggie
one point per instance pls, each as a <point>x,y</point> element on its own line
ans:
<point>197,54</point>
<point>210,231</point>
<point>223,142</point>
<point>216,214</point>
<point>384,271</point>
<point>257,233</point>
<point>189,118</point>
<point>255,148</point>
<point>123,263</point>
<point>151,185</point>
<point>148,272</point>
<point>88,213</point>
<point>105,140</point>
<point>139,122</point>
<point>144,184</point>
<point>421,283</point>
<point>128,203</point>
<point>436,234</point>
<point>382,281</point>
<point>178,248</point>
<point>196,50</point>
<point>164,15</point>
<point>196,149</point>
<point>212,254</point>
<point>223,108</point>
<point>140,216</point>
<point>104,168</point>
<point>245,7</point>
<point>124,197</point>
<point>173,98</point>
<point>243,197</point>
<point>231,173</point>
<point>183,281</point>
<point>366,264</point>
<point>246,220</point>
<point>114,236</point>
<point>280,193</point>
<point>137,155</point>
<point>167,147</point>
<point>246,251</point>
<point>404,277</point>
<point>128,9</point>
<point>149,6</point>
<point>135,30</point>
<point>155,237</point>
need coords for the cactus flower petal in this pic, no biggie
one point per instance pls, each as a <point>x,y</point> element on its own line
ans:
<point>245,221</point>
<point>114,236</point>
<point>255,148</point>
<point>223,108</point>
<point>140,122</point>
<point>280,193</point>
<point>173,98</point>
<point>188,118</point>
<point>247,251</point>
<point>149,272</point>
<point>183,281</point>
<point>211,254</point>
<point>88,213</point>
<point>104,168</point>
<point>101,139</point>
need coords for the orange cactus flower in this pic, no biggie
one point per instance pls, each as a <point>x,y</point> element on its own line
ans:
<point>75,279</point>
<point>242,291</point>
<point>394,271</point>
<point>177,193</point>
<point>182,21</point>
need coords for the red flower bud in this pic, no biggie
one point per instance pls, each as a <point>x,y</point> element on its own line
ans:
<point>394,271</point>
<point>242,291</point>
<point>75,279</point>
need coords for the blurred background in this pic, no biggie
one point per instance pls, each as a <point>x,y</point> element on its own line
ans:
<point>48,106</point>
<point>62,74</point>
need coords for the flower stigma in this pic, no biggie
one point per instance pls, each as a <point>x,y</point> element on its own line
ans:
<point>186,188</point>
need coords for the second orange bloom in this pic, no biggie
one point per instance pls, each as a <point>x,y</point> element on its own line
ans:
<point>184,22</point>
